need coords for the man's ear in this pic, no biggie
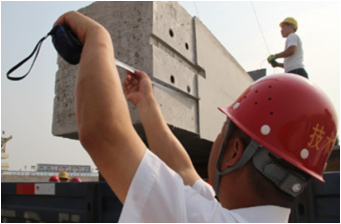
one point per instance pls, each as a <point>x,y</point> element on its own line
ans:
<point>233,153</point>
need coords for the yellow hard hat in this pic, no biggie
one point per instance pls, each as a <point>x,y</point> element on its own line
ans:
<point>63,174</point>
<point>291,21</point>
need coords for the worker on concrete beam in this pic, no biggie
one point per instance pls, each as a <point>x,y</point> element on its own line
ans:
<point>293,53</point>
<point>259,162</point>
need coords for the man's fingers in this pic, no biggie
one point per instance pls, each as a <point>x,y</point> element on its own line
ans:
<point>134,82</point>
<point>126,82</point>
<point>128,73</point>
<point>131,75</point>
<point>141,74</point>
<point>134,79</point>
<point>130,82</point>
<point>126,86</point>
<point>78,23</point>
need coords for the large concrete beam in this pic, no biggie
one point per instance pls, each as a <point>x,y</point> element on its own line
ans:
<point>163,40</point>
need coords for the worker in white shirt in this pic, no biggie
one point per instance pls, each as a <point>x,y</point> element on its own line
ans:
<point>259,162</point>
<point>293,53</point>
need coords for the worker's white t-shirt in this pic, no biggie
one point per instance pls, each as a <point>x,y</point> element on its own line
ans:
<point>294,61</point>
<point>157,194</point>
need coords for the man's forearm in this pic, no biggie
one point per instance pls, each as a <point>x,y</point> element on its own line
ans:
<point>100,103</point>
<point>162,141</point>
<point>103,121</point>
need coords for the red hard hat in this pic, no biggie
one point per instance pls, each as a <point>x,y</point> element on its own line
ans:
<point>75,179</point>
<point>290,116</point>
<point>54,178</point>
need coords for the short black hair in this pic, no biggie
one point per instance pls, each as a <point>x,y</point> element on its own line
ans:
<point>293,25</point>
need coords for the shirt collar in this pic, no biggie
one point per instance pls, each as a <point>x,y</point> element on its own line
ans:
<point>266,213</point>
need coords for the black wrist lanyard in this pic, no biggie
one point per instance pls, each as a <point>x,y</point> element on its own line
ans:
<point>64,41</point>
<point>36,52</point>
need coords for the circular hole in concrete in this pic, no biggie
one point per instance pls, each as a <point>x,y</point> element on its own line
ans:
<point>186,45</point>
<point>188,89</point>
<point>171,33</point>
<point>172,79</point>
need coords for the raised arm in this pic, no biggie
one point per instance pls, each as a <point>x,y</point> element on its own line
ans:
<point>104,126</point>
<point>288,52</point>
<point>160,138</point>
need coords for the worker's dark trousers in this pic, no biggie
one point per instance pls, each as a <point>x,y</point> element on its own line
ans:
<point>300,71</point>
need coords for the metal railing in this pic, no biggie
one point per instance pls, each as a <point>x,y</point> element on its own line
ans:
<point>47,173</point>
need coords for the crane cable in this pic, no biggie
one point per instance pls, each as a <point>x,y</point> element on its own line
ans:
<point>254,10</point>
<point>196,9</point>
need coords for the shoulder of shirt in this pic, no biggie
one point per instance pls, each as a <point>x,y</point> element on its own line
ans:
<point>265,213</point>
<point>293,35</point>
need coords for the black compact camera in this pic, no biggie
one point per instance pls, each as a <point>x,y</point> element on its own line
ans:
<point>66,43</point>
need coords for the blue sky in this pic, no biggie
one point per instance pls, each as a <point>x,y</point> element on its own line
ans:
<point>27,106</point>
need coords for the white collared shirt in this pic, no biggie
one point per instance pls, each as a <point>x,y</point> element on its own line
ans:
<point>158,194</point>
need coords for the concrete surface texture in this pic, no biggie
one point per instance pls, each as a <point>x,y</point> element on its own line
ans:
<point>163,40</point>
